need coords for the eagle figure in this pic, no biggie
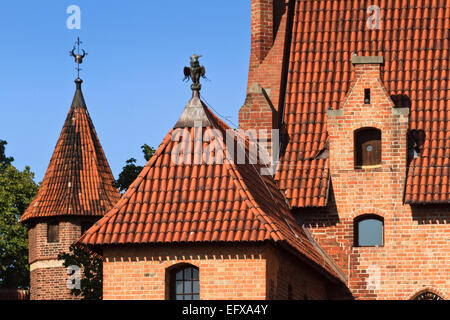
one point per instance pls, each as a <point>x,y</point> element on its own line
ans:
<point>194,72</point>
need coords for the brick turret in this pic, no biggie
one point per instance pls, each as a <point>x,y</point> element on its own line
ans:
<point>76,191</point>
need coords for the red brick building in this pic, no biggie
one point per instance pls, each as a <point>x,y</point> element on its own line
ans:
<point>77,189</point>
<point>359,204</point>
<point>190,228</point>
<point>338,77</point>
<point>360,94</point>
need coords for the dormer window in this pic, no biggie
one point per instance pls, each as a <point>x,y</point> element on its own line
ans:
<point>367,148</point>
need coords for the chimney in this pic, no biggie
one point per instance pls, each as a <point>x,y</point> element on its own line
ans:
<point>367,67</point>
<point>262,27</point>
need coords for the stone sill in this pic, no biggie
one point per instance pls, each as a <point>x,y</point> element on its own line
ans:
<point>369,167</point>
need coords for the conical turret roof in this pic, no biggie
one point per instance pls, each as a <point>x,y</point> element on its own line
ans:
<point>78,180</point>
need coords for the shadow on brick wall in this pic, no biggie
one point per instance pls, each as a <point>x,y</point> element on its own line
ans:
<point>431,214</point>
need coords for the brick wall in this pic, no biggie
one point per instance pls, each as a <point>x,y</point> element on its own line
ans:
<point>49,284</point>
<point>270,22</point>
<point>228,272</point>
<point>415,255</point>
<point>416,251</point>
<point>47,276</point>
<point>285,270</point>
<point>262,27</point>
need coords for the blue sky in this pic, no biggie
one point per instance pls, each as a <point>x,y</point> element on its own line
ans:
<point>132,75</point>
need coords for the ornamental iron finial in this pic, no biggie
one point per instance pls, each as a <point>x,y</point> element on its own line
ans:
<point>77,56</point>
<point>194,72</point>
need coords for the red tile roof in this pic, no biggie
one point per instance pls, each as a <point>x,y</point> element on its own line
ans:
<point>414,40</point>
<point>228,202</point>
<point>78,180</point>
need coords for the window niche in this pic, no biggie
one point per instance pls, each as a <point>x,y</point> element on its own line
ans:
<point>53,232</point>
<point>368,231</point>
<point>367,148</point>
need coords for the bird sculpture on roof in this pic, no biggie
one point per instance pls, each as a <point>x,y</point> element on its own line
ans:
<point>194,72</point>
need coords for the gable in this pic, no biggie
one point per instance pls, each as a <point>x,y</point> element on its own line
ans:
<point>413,38</point>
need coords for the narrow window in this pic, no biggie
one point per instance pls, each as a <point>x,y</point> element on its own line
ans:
<point>53,232</point>
<point>368,231</point>
<point>367,147</point>
<point>367,96</point>
<point>185,283</point>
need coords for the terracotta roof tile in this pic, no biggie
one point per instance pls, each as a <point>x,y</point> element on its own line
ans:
<point>174,202</point>
<point>414,40</point>
<point>78,180</point>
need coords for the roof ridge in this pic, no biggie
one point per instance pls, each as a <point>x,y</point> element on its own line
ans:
<point>255,206</point>
<point>132,189</point>
<point>239,179</point>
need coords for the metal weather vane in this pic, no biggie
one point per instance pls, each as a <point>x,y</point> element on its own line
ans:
<point>194,72</point>
<point>78,56</point>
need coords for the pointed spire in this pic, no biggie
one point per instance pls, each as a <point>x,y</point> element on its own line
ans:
<point>78,180</point>
<point>78,99</point>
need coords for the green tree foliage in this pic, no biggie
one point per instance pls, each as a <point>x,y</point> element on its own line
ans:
<point>4,161</point>
<point>17,189</point>
<point>148,151</point>
<point>130,171</point>
<point>91,287</point>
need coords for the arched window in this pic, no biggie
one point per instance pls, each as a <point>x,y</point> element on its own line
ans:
<point>367,147</point>
<point>427,295</point>
<point>184,282</point>
<point>368,231</point>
